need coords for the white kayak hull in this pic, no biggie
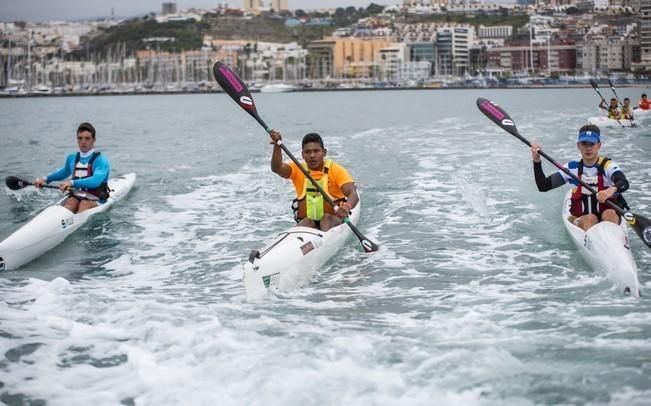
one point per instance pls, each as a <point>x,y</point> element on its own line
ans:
<point>641,114</point>
<point>293,257</point>
<point>605,247</point>
<point>609,122</point>
<point>53,225</point>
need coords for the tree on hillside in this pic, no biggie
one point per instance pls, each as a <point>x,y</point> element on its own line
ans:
<point>374,9</point>
<point>300,13</point>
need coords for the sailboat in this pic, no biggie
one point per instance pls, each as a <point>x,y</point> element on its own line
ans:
<point>277,88</point>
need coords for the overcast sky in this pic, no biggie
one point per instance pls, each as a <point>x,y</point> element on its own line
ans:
<point>44,10</point>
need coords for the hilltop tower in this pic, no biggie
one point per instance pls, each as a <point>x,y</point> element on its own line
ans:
<point>250,5</point>
<point>279,5</point>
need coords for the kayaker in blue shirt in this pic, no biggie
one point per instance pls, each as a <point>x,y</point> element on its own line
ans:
<point>603,174</point>
<point>89,170</point>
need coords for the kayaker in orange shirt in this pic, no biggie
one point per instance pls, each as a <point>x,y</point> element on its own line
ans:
<point>644,103</point>
<point>310,208</point>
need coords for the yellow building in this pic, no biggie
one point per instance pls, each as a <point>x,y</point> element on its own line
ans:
<point>279,5</point>
<point>344,57</point>
<point>251,5</point>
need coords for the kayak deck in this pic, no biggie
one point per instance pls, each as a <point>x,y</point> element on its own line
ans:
<point>605,247</point>
<point>293,257</point>
<point>52,225</point>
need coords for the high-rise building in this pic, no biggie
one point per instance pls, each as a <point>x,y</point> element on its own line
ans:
<point>453,49</point>
<point>433,3</point>
<point>645,34</point>
<point>279,5</point>
<point>168,8</point>
<point>252,5</point>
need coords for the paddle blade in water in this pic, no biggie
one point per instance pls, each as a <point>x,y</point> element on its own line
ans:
<point>641,225</point>
<point>15,183</point>
<point>368,245</point>
<point>497,115</point>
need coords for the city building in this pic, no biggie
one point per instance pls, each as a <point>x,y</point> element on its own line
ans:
<point>168,8</point>
<point>453,49</point>
<point>645,35</point>
<point>390,61</point>
<point>494,32</point>
<point>344,57</point>
<point>607,54</point>
<point>523,57</point>
<point>279,5</point>
<point>252,5</point>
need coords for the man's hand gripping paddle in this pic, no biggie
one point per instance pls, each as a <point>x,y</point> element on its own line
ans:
<point>640,224</point>
<point>238,91</point>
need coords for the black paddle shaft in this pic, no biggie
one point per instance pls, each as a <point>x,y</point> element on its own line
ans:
<point>238,91</point>
<point>502,119</point>
<point>16,183</point>
<point>640,224</point>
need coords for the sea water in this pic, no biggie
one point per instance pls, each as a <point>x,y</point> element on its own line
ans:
<point>476,297</point>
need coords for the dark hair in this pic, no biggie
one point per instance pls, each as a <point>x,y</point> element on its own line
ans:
<point>86,127</point>
<point>590,127</point>
<point>626,98</point>
<point>312,137</point>
<point>643,94</point>
<point>613,99</point>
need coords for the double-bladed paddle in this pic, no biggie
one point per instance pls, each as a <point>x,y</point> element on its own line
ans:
<point>640,224</point>
<point>612,87</point>
<point>237,90</point>
<point>16,183</point>
<point>595,86</point>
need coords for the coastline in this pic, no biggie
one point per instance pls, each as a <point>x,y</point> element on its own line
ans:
<point>325,89</point>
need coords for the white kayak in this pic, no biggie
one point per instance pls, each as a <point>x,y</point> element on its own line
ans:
<point>641,114</point>
<point>605,246</point>
<point>603,121</point>
<point>52,225</point>
<point>293,257</point>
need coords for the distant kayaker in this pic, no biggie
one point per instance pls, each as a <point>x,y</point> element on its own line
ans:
<point>644,103</point>
<point>627,109</point>
<point>89,170</point>
<point>310,208</point>
<point>599,172</point>
<point>613,109</point>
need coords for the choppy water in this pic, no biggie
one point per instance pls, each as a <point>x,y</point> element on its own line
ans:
<point>477,297</point>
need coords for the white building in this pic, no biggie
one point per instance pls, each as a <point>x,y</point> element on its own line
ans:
<point>453,49</point>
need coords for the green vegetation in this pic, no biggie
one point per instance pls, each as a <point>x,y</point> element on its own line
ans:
<point>264,29</point>
<point>133,33</point>
<point>476,20</point>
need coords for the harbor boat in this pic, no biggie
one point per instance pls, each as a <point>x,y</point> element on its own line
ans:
<point>52,225</point>
<point>293,257</point>
<point>277,88</point>
<point>605,247</point>
<point>602,121</point>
